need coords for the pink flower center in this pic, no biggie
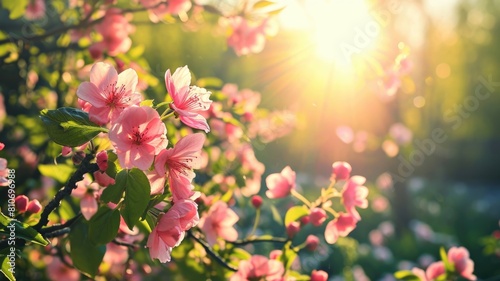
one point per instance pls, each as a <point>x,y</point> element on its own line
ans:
<point>194,101</point>
<point>115,96</point>
<point>138,137</point>
<point>181,165</point>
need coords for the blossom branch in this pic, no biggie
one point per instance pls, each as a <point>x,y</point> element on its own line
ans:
<point>48,230</point>
<point>85,167</point>
<point>259,240</point>
<point>210,252</point>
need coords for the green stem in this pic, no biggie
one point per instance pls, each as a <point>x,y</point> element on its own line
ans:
<point>300,197</point>
<point>165,115</point>
<point>256,222</point>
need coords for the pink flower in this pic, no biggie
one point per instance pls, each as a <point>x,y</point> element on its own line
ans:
<point>464,266</point>
<point>188,211</point>
<point>87,190</point>
<point>188,101</point>
<point>115,31</point>
<point>138,135</point>
<point>248,37</point>
<point>317,216</point>
<point>319,275</point>
<point>219,222</point>
<point>435,270</point>
<point>354,194</point>
<point>171,227</point>
<point>173,7</point>
<point>57,270</point>
<point>2,145</point>
<point>103,179</point>
<point>108,92</point>
<point>177,164</point>
<point>102,160</point>
<point>341,170</point>
<point>166,235</point>
<point>35,10</point>
<point>340,227</point>
<point>281,184</point>
<point>252,165</point>
<point>259,268</point>
<point>312,242</point>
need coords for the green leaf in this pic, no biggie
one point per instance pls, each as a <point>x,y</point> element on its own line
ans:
<point>86,256</point>
<point>16,8</point>
<point>114,192</point>
<point>444,257</point>
<point>60,172</point>
<point>69,126</point>
<point>288,255</point>
<point>276,215</point>
<point>406,275</point>
<point>137,190</point>
<point>295,213</point>
<point>103,226</point>
<point>4,220</point>
<point>7,269</point>
<point>26,232</point>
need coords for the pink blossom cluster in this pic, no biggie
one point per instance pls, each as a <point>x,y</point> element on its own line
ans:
<point>115,30</point>
<point>353,194</point>
<point>138,136</point>
<point>460,261</point>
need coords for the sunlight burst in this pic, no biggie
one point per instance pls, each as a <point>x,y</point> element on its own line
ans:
<point>340,29</point>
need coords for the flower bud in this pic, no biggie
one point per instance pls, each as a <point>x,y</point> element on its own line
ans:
<point>319,275</point>
<point>66,150</point>
<point>102,160</point>
<point>312,242</point>
<point>21,203</point>
<point>34,207</point>
<point>292,229</point>
<point>256,201</point>
<point>2,145</point>
<point>78,157</point>
<point>317,216</point>
<point>305,220</point>
<point>341,170</point>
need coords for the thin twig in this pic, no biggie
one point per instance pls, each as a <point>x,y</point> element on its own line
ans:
<point>259,240</point>
<point>211,253</point>
<point>56,227</point>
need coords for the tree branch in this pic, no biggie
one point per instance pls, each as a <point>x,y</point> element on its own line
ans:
<point>85,167</point>
<point>210,252</point>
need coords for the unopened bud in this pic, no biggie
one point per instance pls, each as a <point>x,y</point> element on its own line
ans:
<point>256,201</point>
<point>34,207</point>
<point>292,229</point>
<point>21,203</point>
<point>312,242</point>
